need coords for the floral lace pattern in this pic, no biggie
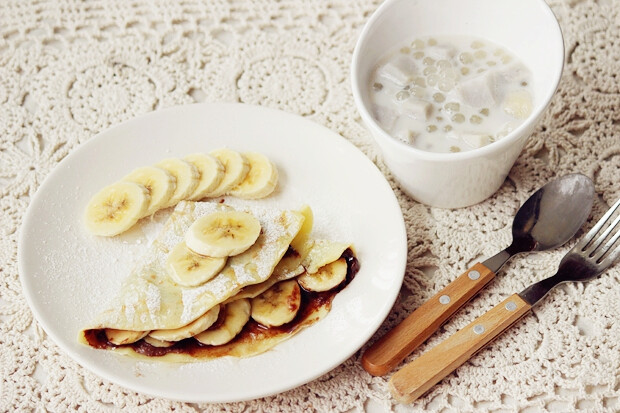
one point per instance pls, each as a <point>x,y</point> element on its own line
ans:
<point>69,70</point>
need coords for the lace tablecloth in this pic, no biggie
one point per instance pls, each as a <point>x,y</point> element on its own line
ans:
<point>70,69</point>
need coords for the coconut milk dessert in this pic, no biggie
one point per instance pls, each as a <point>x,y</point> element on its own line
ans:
<point>450,93</point>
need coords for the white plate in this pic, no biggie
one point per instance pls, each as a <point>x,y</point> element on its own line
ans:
<point>69,276</point>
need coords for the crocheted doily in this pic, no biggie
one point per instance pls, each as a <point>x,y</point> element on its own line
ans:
<point>70,69</point>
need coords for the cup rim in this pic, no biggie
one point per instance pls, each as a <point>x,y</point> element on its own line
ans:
<point>377,130</point>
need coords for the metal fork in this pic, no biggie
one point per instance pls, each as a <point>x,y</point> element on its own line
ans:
<point>593,254</point>
<point>587,259</point>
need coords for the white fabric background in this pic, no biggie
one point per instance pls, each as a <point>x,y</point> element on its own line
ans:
<point>70,69</point>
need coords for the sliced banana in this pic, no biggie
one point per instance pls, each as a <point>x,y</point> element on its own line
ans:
<point>236,167</point>
<point>261,179</point>
<point>159,182</point>
<point>287,268</point>
<point>223,233</point>
<point>158,343</point>
<point>237,314</point>
<point>323,252</point>
<point>211,173</point>
<point>116,208</point>
<point>120,337</point>
<point>302,242</point>
<point>278,305</point>
<point>195,327</point>
<point>326,278</point>
<point>189,269</point>
<point>187,178</point>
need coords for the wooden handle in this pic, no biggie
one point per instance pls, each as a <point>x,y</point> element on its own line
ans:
<point>399,342</point>
<point>417,377</point>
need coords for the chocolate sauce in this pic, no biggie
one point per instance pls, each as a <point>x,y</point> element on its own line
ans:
<point>252,332</point>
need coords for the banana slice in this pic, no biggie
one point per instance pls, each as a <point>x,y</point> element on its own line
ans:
<point>211,173</point>
<point>302,242</point>
<point>278,305</point>
<point>195,327</point>
<point>120,337</point>
<point>159,182</point>
<point>322,253</point>
<point>326,278</point>
<point>287,268</point>
<point>236,167</point>
<point>158,343</point>
<point>189,269</point>
<point>261,179</point>
<point>116,208</point>
<point>223,233</point>
<point>236,315</point>
<point>187,177</point>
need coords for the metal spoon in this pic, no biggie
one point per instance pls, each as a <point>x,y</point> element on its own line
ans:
<point>549,218</point>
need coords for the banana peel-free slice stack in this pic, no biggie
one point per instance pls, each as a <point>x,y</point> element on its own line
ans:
<point>180,305</point>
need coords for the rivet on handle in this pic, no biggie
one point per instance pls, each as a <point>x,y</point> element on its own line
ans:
<point>511,306</point>
<point>473,275</point>
<point>444,299</point>
<point>479,329</point>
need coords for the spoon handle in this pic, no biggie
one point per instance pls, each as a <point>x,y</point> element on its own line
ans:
<point>417,377</point>
<point>398,343</point>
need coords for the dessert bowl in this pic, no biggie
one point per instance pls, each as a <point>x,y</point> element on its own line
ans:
<point>526,28</point>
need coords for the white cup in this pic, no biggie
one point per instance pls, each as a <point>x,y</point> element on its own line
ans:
<point>527,28</point>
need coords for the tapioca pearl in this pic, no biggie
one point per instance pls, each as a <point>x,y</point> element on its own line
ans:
<point>476,44</point>
<point>485,111</point>
<point>405,50</point>
<point>418,55</point>
<point>439,97</point>
<point>480,54</point>
<point>431,128</point>
<point>466,58</point>
<point>418,92</point>
<point>447,128</point>
<point>429,70</point>
<point>377,86</point>
<point>402,95</point>
<point>446,74</point>
<point>432,79</point>
<point>458,118</point>
<point>452,106</point>
<point>498,52</point>
<point>506,59</point>
<point>432,42</point>
<point>444,64</point>
<point>419,81</point>
<point>428,61</point>
<point>418,44</point>
<point>454,148</point>
<point>446,85</point>
<point>475,119</point>
<point>464,71</point>
<point>491,63</point>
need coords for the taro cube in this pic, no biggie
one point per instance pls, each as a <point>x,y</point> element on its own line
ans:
<point>399,71</point>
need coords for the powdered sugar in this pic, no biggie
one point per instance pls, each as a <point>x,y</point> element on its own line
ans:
<point>161,304</point>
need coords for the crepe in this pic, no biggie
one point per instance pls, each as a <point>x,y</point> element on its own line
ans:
<point>150,300</point>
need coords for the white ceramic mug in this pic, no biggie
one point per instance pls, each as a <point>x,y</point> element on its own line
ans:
<point>527,28</point>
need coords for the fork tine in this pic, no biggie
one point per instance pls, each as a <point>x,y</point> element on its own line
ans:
<point>600,252</point>
<point>613,256</point>
<point>585,241</point>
